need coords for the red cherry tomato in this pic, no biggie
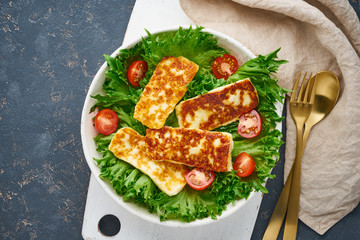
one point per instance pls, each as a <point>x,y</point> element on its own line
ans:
<point>136,72</point>
<point>199,178</point>
<point>249,124</point>
<point>244,165</point>
<point>106,121</point>
<point>225,66</point>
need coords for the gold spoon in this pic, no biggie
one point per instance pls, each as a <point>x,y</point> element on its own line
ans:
<point>327,90</point>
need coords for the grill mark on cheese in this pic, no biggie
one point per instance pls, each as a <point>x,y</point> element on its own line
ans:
<point>192,147</point>
<point>130,146</point>
<point>166,88</point>
<point>218,107</point>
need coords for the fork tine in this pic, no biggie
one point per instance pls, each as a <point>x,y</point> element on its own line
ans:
<point>312,97</point>
<point>293,94</point>
<point>309,87</point>
<point>301,95</point>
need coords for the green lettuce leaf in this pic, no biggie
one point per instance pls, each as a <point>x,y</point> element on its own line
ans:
<point>120,96</point>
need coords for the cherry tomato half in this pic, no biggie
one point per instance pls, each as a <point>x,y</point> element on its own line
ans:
<point>249,124</point>
<point>137,72</point>
<point>225,66</point>
<point>199,178</point>
<point>106,121</point>
<point>244,165</point>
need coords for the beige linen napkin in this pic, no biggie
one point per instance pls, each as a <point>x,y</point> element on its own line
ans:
<point>313,36</point>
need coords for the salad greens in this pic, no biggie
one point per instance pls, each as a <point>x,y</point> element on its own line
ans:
<point>120,96</point>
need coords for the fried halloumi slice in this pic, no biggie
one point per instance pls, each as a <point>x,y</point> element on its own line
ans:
<point>218,107</point>
<point>192,147</point>
<point>167,86</point>
<point>129,146</point>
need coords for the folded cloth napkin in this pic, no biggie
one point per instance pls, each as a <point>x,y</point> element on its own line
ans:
<point>314,35</point>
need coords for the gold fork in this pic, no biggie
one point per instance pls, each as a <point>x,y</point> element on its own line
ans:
<point>300,109</point>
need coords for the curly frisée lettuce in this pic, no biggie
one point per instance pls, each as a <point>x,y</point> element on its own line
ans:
<point>120,96</point>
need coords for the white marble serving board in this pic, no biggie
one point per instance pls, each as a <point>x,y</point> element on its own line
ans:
<point>160,14</point>
<point>238,226</point>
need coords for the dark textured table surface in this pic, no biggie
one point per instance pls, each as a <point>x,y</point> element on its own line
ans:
<point>50,52</point>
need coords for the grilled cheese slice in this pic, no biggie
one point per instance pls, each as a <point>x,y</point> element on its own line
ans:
<point>218,107</point>
<point>166,88</point>
<point>192,147</point>
<point>129,146</point>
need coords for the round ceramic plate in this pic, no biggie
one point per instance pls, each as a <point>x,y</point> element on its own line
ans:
<point>88,133</point>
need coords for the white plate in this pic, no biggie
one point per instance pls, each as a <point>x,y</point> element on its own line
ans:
<point>88,133</point>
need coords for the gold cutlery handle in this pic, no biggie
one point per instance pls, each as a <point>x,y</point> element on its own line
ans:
<point>292,214</point>
<point>278,215</point>
<point>277,218</point>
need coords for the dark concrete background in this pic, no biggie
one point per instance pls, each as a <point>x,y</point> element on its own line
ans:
<point>50,52</point>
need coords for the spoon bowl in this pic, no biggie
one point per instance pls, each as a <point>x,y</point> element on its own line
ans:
<point>327,88</point>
